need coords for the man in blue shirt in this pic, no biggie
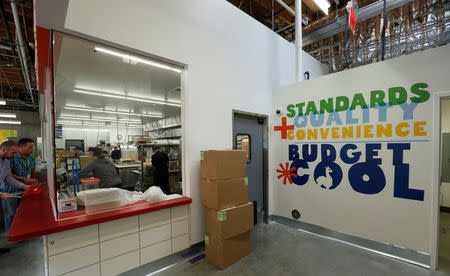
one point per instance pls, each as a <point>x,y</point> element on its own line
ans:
<point>9,150</point>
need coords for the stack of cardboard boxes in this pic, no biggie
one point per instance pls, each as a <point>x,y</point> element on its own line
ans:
<point>229,215</point>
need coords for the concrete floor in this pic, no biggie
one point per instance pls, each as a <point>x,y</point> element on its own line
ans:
<point>276,250</point>
<point>281,250</point>
<point>444,242</point>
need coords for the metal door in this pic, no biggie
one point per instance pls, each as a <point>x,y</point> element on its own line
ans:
<point>248,134</point>
<point>445,162</point>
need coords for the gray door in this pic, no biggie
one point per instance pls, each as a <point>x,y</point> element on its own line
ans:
<point>248,132</point>
<point>445,163</point>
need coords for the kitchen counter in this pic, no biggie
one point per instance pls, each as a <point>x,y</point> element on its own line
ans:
<point>106,243</point>
<point>35,216</point>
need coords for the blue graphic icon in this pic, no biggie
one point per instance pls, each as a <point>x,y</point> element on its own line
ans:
<point>328,175</point>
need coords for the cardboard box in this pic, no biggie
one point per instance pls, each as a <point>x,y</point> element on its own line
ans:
<point>223,164</point>
<point>225,193</point>
<point>173,165</point>
<point>230,222</point>
<point>225,252</point>
<point>85,160</point>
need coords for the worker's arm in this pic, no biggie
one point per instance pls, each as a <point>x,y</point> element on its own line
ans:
<point>89,168</point>
<point>5,195</point>
<point>31,180</point>
<point>33,174</point>
<point>11,181</point>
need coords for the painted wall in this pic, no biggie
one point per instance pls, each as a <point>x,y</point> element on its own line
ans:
<point>379,198</point>
<point>445,128</point>
<point>30,127</point>
<point>233,62</point>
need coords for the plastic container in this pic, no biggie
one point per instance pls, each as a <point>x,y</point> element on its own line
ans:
<point>90,183</point>
<point>98,200</point>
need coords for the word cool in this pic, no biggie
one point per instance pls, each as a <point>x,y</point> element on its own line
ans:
<point>365,176</point>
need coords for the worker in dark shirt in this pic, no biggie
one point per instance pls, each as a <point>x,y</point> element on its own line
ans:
<point>160,161</point>
<point>116,154</point>
<point>103,169</point>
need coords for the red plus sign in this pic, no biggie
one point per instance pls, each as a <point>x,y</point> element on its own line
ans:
<point>283,128</point>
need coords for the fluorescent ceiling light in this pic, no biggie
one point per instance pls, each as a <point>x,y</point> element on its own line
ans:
<point>10,122</point>
<point>111,111</point>
<point>323,5</point>
<point>2,102</point>
<point>116,96</point>
<point>98,119</point>
<point>7,115</point>
<point>137,59</point>
<point>64,122</point>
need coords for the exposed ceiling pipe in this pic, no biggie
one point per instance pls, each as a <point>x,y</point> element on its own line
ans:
<point>22,52</point>
<point>11,42</point>
<point>305,20</point>
<point>338,25</point>
<point>5,46</point>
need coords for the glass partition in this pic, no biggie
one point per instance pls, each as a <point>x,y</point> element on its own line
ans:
<point>117,127</point>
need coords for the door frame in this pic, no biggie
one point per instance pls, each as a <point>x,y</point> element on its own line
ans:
<point>435,188</point>
<point>265,154</point>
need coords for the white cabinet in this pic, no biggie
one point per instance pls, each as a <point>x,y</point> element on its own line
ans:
<point>117,228</point>
<point>155,235</point>
<point>120,264</point>
<point>154,219</point>
<point>73,260</point>
<point>93,270</point>
<point>179,213</point>
<point>155,252</point>
<point>180,228</point>
<point>180,243</point>
<point>115,247</point>
<point>72,239</point>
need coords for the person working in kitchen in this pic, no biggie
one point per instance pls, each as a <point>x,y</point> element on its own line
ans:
<point>173,154</point>
<point>79,152</point>
<point>116,154</point>
<point>9,150</point>
<point>103,169</point>
<point>160,162</point>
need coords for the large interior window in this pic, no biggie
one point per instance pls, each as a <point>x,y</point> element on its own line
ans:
<point>113,110</point>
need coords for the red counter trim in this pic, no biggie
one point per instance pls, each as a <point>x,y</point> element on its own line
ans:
<point>34,216</point>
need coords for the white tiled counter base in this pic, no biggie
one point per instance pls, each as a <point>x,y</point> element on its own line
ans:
<point>117,246</point>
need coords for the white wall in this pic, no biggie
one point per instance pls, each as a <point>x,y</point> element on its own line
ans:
<point>445,128</point>
<point>30,127</point>
<point>381,216</point>
<point>233,62</point>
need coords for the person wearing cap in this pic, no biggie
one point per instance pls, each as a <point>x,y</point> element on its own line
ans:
<point>8,150</point>
<point>79,152</point>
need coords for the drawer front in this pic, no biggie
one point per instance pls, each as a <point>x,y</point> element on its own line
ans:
<point>93,270</point>
<point>120,264</point>
<point>155,235</point>
<point>117,228</point>
<point>72,239</point>
<point>180,212</point>
<point>155,252</point>
<point>115,247</point>
<point>180,243</point>
<point>73,260</point>
<point>154,219</point>
<point>180,228</point>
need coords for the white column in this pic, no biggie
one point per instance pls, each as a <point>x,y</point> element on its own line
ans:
<point>298,39</point>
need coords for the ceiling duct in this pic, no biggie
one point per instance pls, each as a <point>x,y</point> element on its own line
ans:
<point>338,25</point>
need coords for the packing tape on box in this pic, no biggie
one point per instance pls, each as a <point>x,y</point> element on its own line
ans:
<point>206,239</point>
<point>246,181</point>
<point>202,155</point>
<point>221,216</point>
